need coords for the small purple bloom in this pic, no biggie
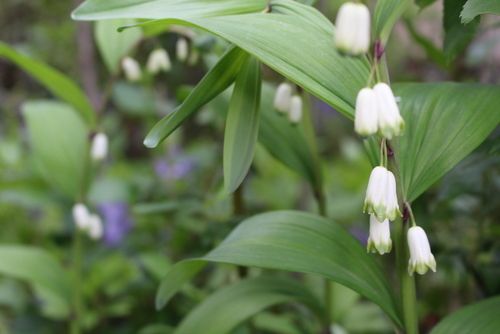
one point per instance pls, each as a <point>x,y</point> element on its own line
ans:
<point>175,166</point>
<point>117,222</point>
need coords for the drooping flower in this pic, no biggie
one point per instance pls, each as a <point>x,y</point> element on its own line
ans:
<point>390,122</point>
<point>131,69</point>
<point>95,227</point>
<point>99,147</point>
<point>380,236</point>
<point>366,117</point>
<point>81,216</point>
<point>295,112</point>
<point>381,198</point>
<point>182,49</point>
<point>158,61</point>
<point>352,34</point>
<point>421,258</point>
<point>283,97</point>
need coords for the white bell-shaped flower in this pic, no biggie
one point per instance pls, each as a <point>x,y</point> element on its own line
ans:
<point>95,228</point>
<point>295,112</point>
<point>390,122</point>
<point>283,97</point>
<point>380,236</point>
<point>352,34</point>
<point>81,216</point>
<point>182,49</point>
<point>132,69</point>
<point>421,258</point>
<point>158,61</point>
<point>366,117</point>
<point>381,197</point>
<point>99,147</point>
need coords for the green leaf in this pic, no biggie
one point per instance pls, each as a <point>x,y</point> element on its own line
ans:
<point>457,36</point>
<point>158,9</point>
<point>387,12</point>
<point>444,123</point>
<point>299,242</point>
<point>59,143</point>
<point>39,269</point>
<point>294,39</point>
<point>240,301</point>
<point>473,8</point>
<point>56,82</point>
<point>213,83</point>
<point>433,52</point>
<point>113,45</point>
<point>242,124</point>
<point>479,318</point>
<point>424,3</point>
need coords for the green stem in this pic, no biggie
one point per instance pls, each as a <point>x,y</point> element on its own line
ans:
<point>77,294</point>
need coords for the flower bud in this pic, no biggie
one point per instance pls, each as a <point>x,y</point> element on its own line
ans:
<point>95,229</point>
<point>182,49</point>
<point>421,258</point>
<point>380,236</point>
<point>81,216</point>
<point>283,97</point>
<point>390,122</point>
<point>131,69</point>
<point>352,34</point>
<point>381,198</point>
<point>295,112</point>
<point>99,148</point>
<point>158,61</point>
<point>366,118</point>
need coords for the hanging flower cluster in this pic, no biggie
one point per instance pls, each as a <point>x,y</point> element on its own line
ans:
<point>377,113</point>
<point>87,222</point>
<point>287,103</point>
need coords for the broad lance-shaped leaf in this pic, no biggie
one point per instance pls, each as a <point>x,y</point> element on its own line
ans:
<point>220,77</point>
<point>294,39</point>
<point>479,318</point>
<point>56,82</point>
<point>38,268</point>
<point>294,241</point>
<point>59,144</point>
<point>473,8</point>
<point>240,301</point>
<point>444,123</point>
<point>242,124</point>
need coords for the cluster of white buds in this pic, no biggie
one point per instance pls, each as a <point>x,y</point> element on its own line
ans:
<point>158,61</point>
<point>377,111</point>
<point>132,69</point>
<point>99,147</point>
<point>286,103</point>
<point>352,34</point>
<point>182,49</point>
<point>88,222</point>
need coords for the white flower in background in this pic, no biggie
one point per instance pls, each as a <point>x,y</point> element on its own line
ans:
<point>131,69</point>
<point>381,198</point>
<point>283,97</point>
<point>390,122</point>
<point>421,258</point>
<point>99,147</point>
<point>182,49</point>
<point>380,236</point>
<point>81,216</point>
<point>366,117</point>
<point>158,61</point>
<point>193,57</point>
<point>95,229</point>
<point>352,34</point>
<point>295,112</point>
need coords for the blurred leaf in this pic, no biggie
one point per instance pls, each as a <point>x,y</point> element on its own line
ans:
<point>444,123</point>
<point>113,45</point>
<point>242,124</point>
<point>276,323</point>
<point>240,301</point>
<point>434,53</point>
<point>213,83</point>
<point>479,318</point>
<point>294,241</point>
<point>56,82</point>
<point>59,143</point>
<point>473,8</point>
<point>275,38</point>
<point>457,35</point>
<point>134,99</point>
<point>158,9</point>
<point>42,271</point>
<point>386,14</point>
<point>424,3</point>
<point>156,329</point>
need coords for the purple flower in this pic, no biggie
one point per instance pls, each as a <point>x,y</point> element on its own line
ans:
<point>117,222</point>
<point>175,166</point>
